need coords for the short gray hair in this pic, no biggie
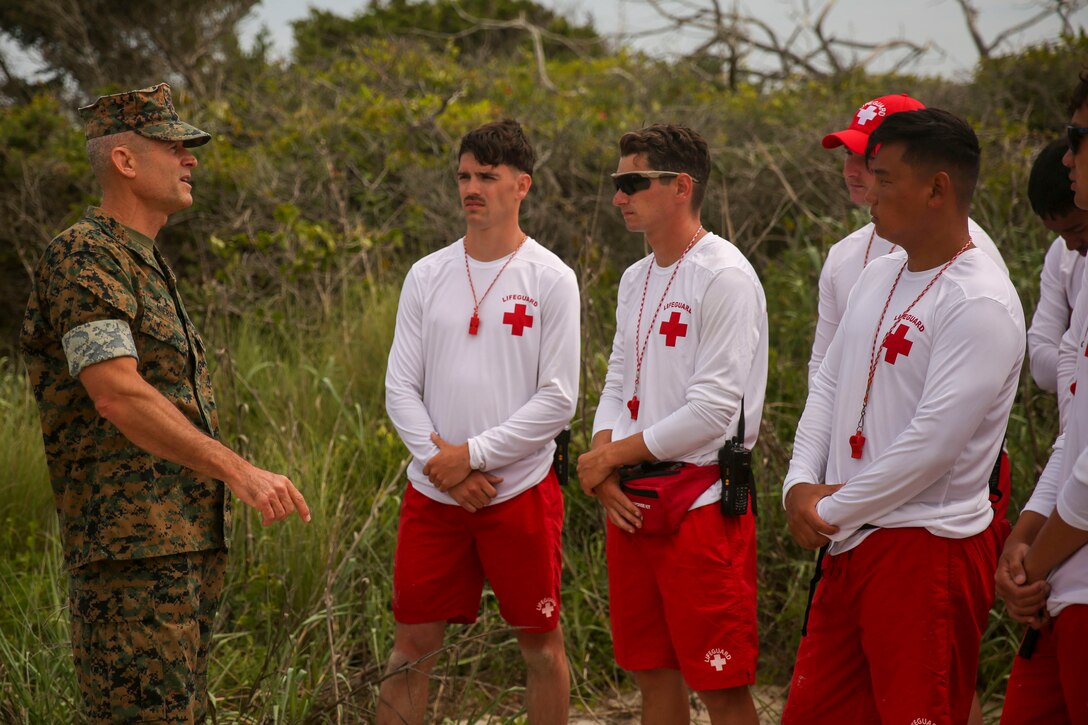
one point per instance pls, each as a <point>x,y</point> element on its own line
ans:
<point>99,150</point>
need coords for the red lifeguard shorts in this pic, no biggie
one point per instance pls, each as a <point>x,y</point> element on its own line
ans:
<point>444,553</point>
<point>687,600</point>
<point>1051,688</point>
<point>894,631</point>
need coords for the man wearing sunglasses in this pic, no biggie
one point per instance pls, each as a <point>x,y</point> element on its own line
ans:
<point>1045,557</point>
<point>482,375</point>
<point>689,360</point>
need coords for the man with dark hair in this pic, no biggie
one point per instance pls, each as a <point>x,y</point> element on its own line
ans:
<point>493,369</point>
<point>672,148</point>
<point>850,255</point>
<point>1043,572</point>
<point>847,258</point>
<point>896,444</point>
<point>685,381</point>
<point>1063,269</point>
<point>130,427</point>
<point>498,144</point>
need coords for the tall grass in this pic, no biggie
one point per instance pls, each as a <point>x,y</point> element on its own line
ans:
<point>33,615</point>
<point>305,626</point>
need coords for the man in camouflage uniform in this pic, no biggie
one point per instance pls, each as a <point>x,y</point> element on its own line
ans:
<point>130,427</point>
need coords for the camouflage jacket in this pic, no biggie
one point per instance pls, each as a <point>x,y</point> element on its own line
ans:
<point>100,293</point>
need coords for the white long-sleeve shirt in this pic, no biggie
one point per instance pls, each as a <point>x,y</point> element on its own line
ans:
<point>707,349</point>
<point>939,404</point>
<point>845,261</point>
<point>1064,482</point>
<point>1069,353</point>
<point>1059,284</point>
<point>507,390</point>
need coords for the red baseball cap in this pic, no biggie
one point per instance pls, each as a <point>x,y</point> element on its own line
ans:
<point>867,118</point>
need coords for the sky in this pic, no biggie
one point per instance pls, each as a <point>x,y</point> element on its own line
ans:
<point>937,22</point>
<point>940,22</point>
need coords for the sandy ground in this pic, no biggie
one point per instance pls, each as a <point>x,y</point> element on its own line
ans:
<point>769,701</point>
<point>624,710</point>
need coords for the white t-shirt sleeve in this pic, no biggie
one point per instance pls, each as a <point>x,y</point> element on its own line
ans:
<point>1045,495</point>
<point>827,319</point>
<point>611,404</point>
<point>729,329</point>
<point>550,408</point>
<point>1068,352</point>
<point>812,442</point>
<point>962,383</point>
<point>1073,500</point>
<point>404,375</point>
<point>1050,321</point>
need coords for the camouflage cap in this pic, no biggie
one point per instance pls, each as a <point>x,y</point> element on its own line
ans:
<point>148,111</point>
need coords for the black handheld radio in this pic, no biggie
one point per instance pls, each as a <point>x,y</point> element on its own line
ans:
<point>735,464</point>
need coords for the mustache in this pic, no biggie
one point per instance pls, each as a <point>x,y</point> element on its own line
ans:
<point>472,197</point>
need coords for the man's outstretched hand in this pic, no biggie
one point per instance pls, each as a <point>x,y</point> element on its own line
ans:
<point>272,494</point>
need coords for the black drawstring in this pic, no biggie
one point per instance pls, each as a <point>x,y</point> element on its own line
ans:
<point>816,576</point>
<point>1027,646</point>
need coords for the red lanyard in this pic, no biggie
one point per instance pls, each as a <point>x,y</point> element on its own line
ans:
<point>474,323</point>
<point>865,262</point>
<point>640,353</point>
<point>857,441</point>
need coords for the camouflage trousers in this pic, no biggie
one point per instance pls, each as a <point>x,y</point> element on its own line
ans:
<point>141,632</point>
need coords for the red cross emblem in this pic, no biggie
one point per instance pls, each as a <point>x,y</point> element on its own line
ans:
<point>897,344</point>
<point>867,113</point>
<point>672,329</point>
<point>517,320</point>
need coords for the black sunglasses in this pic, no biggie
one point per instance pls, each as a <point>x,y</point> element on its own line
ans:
<point>633,181</point>
<point>1076,134</point>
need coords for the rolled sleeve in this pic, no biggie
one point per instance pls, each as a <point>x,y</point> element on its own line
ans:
<point>96,342</point>
<point>476,459</point>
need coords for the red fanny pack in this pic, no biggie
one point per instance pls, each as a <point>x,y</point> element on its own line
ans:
<point>664,491</point>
